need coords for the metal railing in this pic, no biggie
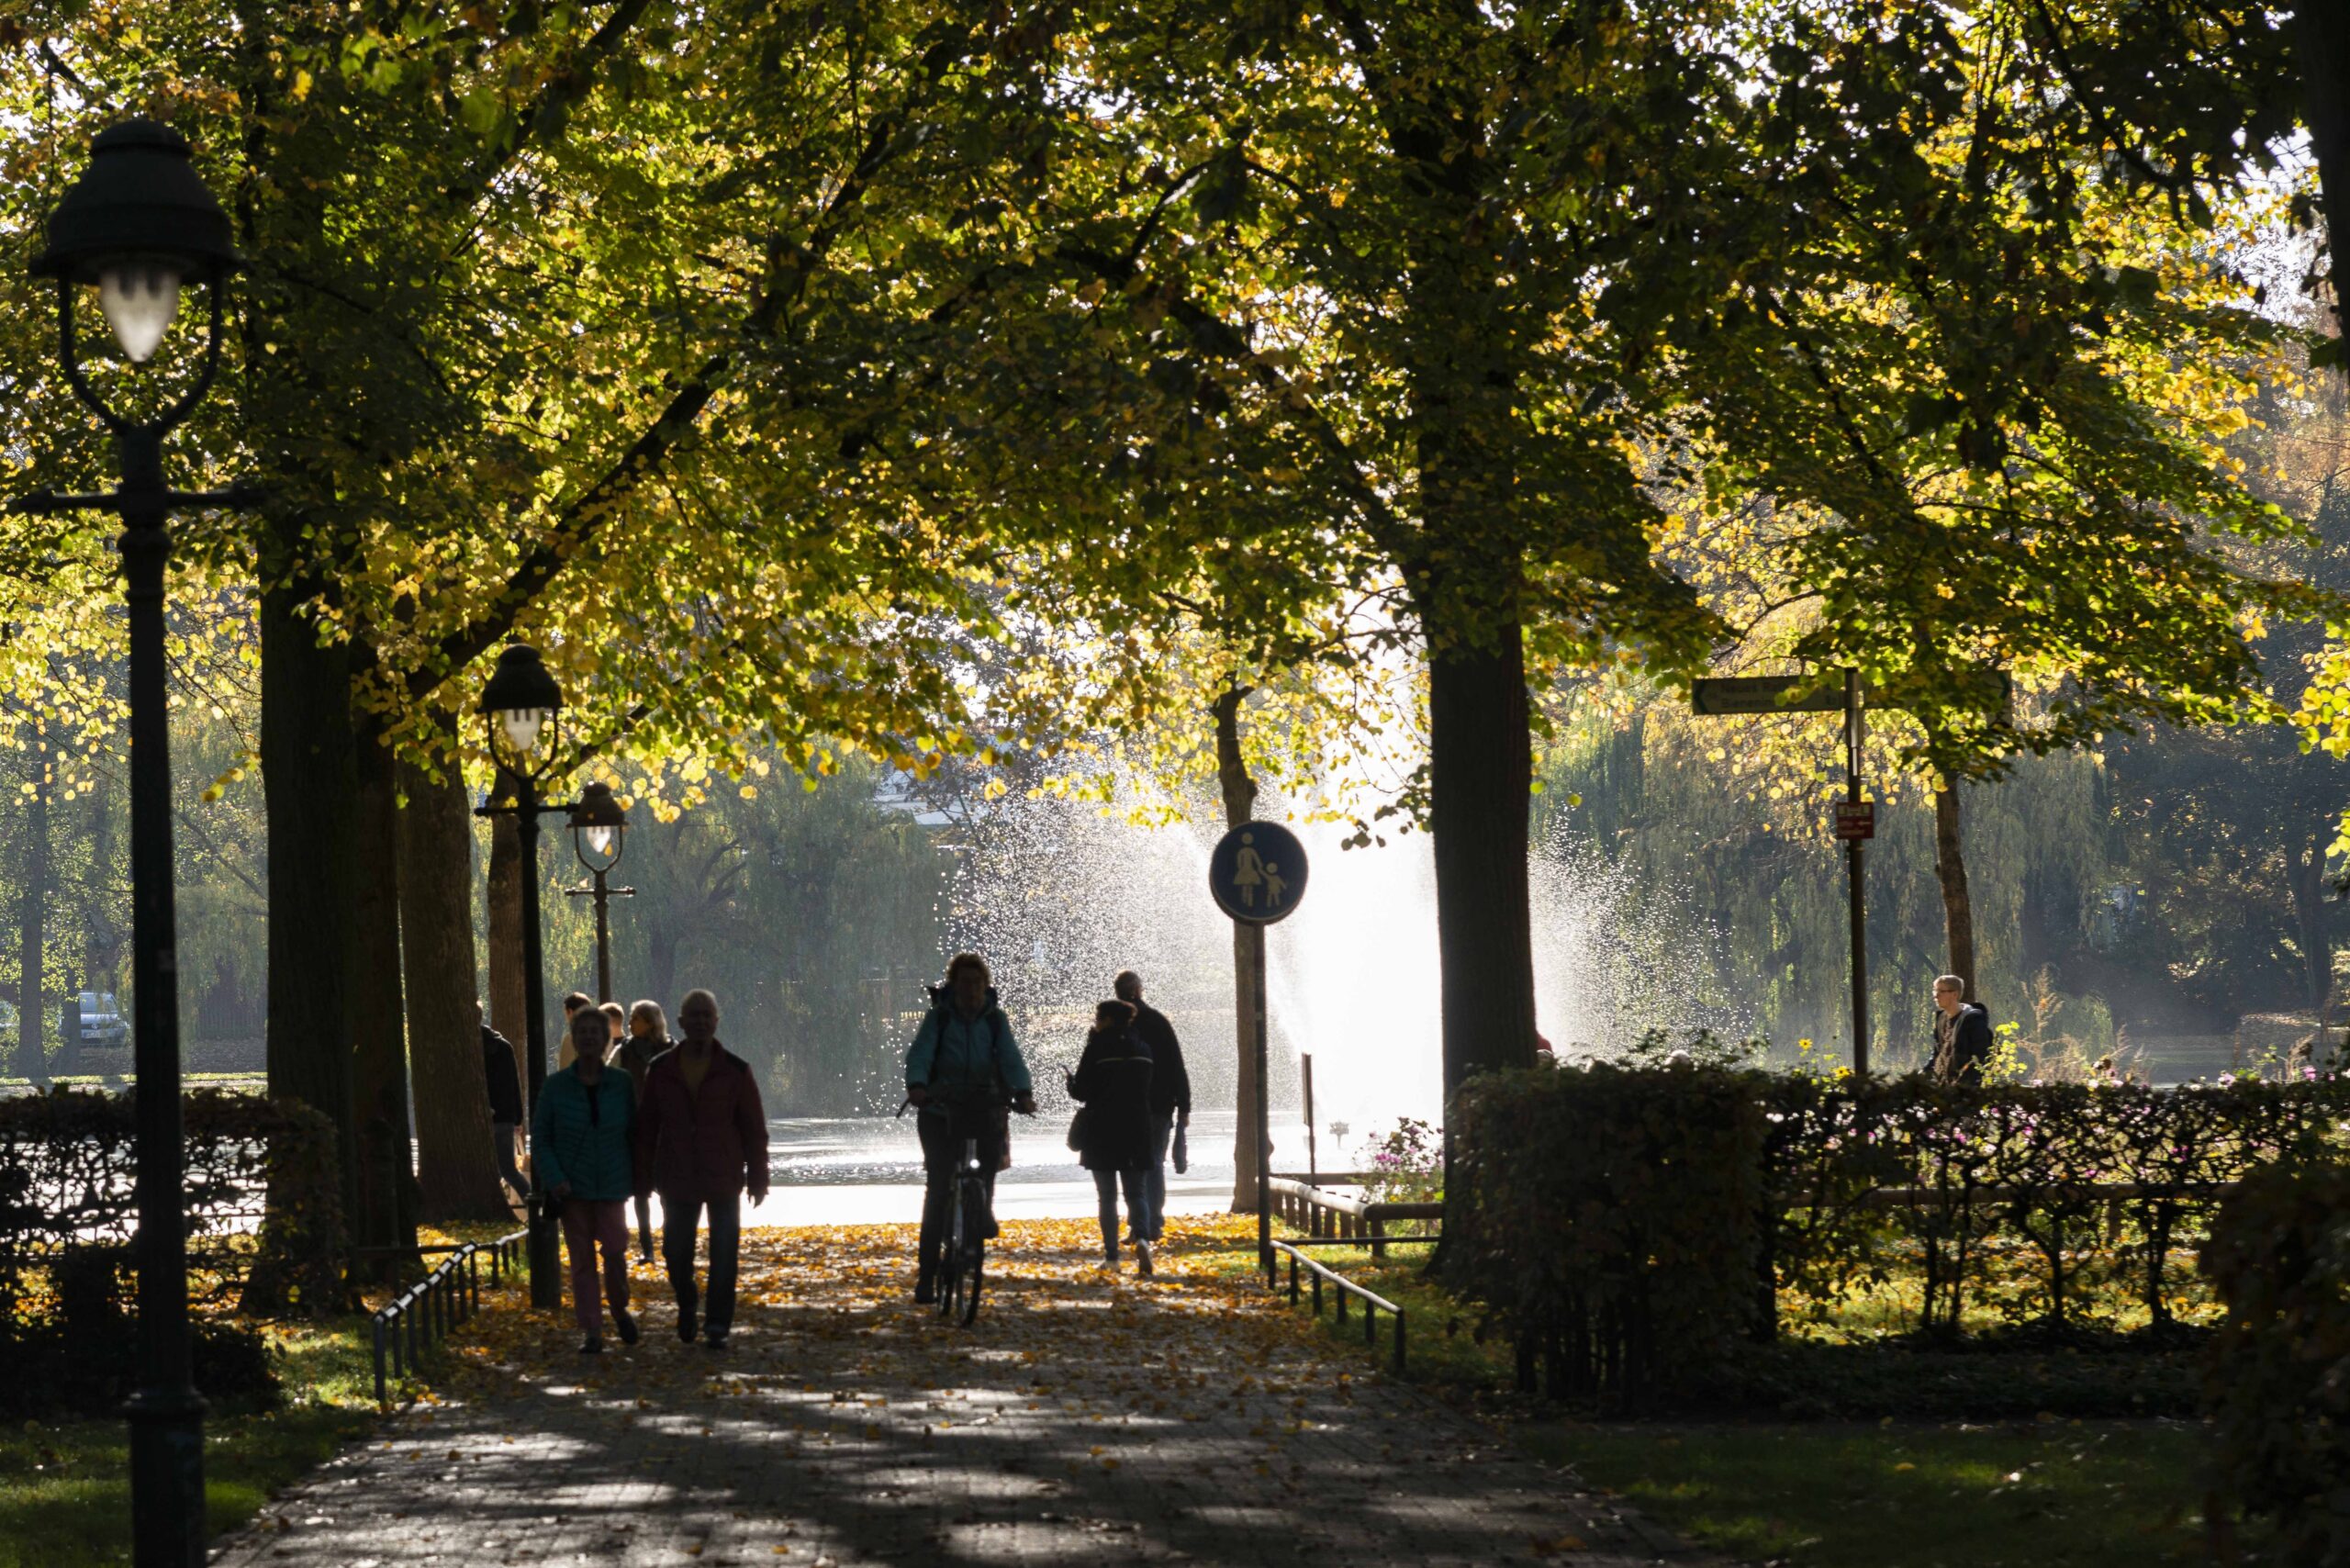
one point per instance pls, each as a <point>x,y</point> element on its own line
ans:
<point>1372,1301</point>
<point>1337,1218</point>
<point>404,1327</point>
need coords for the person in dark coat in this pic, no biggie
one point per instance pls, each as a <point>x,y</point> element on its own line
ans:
<point>1170,1090</point>
<point>1113,1080</point>
<point>648,1036</point>
<point>964,1063</point>
<point>1962,1033</point>
<point>701,1143</point>
<point>505,1086</point>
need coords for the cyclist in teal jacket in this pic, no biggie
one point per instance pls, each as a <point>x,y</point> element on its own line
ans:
<point>962,1068</point>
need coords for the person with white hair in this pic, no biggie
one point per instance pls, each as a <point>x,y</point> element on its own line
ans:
<point>701,1143</point>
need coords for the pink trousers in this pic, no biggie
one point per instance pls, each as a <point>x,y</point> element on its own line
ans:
<point>587,1227</point>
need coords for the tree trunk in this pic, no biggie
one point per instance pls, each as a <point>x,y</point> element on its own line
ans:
<point>1480,778</point>
<point>387,1214</point>
<point>505,957</point>
<point>1950,867</point>
<point>32,988</point>
<point>457,1176</point>
<point>1248,954</point>
<point>661,963</point>
<point>310,792</point>
<point>2311,915</point>
<point>2322,49</point>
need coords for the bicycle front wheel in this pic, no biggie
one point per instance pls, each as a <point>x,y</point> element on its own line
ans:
<point>970,1261</point>
<point>950,1272</point>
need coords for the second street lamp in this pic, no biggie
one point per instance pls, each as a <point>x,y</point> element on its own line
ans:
<point>598,832</point>
<point>521,709</point>
<point>137,226</point>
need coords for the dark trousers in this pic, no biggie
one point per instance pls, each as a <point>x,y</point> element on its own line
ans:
<point>944,1133</point>
<point>1162,1133</point>
<point>1136,1180</point>
<point>645,1225</point>
<point>680,1219</point>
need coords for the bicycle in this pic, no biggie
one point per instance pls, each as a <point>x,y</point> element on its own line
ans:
<point>963,1257</point>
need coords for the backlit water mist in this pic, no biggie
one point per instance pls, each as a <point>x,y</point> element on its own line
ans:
<point>1061,895</point>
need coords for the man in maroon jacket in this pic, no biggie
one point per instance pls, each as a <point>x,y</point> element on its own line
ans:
<point>701,1143</point>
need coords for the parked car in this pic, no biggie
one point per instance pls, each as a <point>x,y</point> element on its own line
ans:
<point>103,1024</point>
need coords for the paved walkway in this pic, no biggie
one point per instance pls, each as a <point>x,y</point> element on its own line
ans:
<point>1080,1421</point>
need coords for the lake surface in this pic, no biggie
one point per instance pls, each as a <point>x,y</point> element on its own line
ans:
<point>858,1170</point>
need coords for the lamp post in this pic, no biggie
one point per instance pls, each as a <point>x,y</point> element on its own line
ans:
<point>138,225</point>
<point>519,708</point>
<point>598,832</point>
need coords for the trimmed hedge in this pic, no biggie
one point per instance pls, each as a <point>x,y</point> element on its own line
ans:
<point>1611,1217</point>
<point>2279,1389</point>
<point>1631,1223</point>
<point>263,1185</point>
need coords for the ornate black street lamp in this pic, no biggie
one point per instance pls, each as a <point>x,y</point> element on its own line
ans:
<point>521,707</point>
<point>598,832</point>
<point>139,226</point>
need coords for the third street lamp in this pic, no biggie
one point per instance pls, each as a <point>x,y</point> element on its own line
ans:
<point>521,709</point>
<point>598,832</point>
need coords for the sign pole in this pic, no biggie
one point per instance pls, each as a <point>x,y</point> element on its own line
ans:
<point>1264,1115</point>
<point>1854,735</point>
<point>1256,875</point>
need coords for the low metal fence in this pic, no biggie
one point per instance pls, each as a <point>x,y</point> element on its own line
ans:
<point>1372,1301</point>
<point>1331,1219</point>
<point>404,1327</point>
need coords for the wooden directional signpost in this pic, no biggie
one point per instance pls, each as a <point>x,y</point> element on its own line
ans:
<point>1256,875</point>
<point>1743,695</point>
<point>1855,818</point>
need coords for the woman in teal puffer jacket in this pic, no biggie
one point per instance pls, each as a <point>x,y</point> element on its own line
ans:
<point>582,1145</point>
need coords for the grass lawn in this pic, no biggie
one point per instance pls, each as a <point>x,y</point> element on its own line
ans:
<point>1825,1493</point>
<point>65,1485</point>
<point>2084,1494</point>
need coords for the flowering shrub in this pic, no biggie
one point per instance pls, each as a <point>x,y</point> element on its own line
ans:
<point>1406,1164</point>
<point>1630,1223</point>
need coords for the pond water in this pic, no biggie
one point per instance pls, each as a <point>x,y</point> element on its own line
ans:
<point>860,1169</point>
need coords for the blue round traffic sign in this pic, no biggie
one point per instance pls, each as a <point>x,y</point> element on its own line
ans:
<point>1258,873</point>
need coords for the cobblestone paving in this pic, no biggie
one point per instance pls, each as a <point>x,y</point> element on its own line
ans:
<point>1082,1420</point>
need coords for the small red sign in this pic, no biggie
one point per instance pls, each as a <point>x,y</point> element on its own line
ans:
<point>1855,819</point>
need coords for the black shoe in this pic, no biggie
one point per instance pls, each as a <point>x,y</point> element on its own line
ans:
<point>625,1322</point>
<point>684,1323</point>
<point>925,1292</point>
<point>592,1346</point>
<point>715,1337</point>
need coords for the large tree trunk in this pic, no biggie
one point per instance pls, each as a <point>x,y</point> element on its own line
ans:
<point>507,995</point>
<point>2321,47</point>
<point>2311,915</point>
<point>1248,955</point>
<point>456,1177</point>
<point>32,989</point>
<point>387,1216</point>
<point>310,791</point>
<point>1481,777</point>
<point>661,963</point>
<point>1950,867</point>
